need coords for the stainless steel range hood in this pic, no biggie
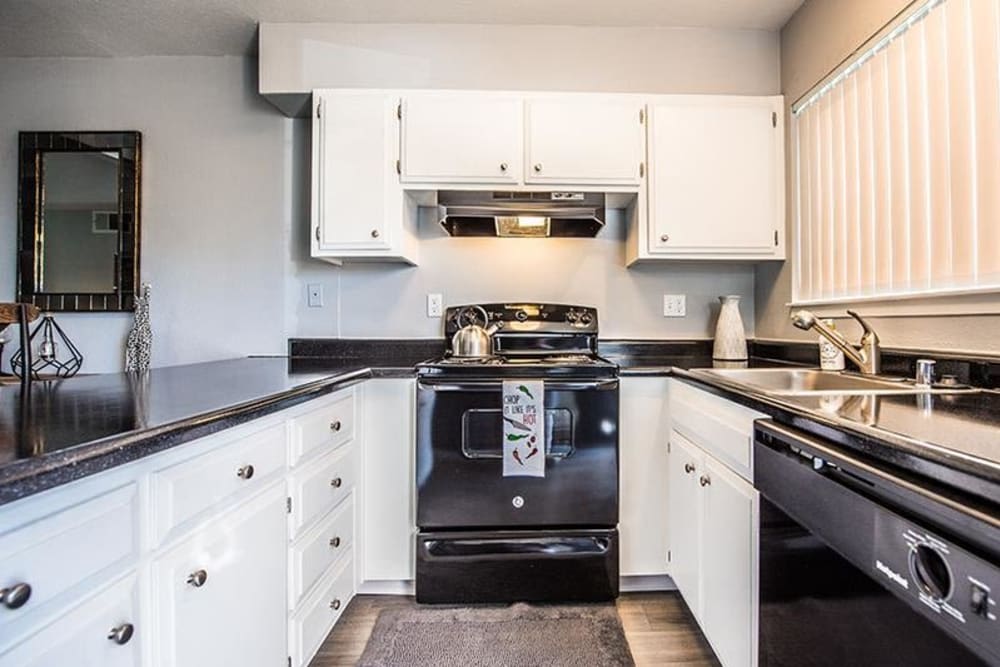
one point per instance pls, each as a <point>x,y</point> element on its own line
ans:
<point>521,214</point>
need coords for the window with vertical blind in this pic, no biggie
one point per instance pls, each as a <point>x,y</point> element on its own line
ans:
<point>897,158</point>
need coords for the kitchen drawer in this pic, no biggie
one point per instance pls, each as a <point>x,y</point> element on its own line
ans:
<point>57,552</point>
<point>80,636</point>
<point>310,625</point>
<point>323,429</point>
<point>184,490</point>
<point>721,427</point>
<point>317,489</point>
<point>313,554</point>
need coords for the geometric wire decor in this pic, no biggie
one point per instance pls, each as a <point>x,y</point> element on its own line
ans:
<point>49,351</point>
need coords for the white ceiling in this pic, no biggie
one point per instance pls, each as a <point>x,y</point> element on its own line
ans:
<point>228,27</point>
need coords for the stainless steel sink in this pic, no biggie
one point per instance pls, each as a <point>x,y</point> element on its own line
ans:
<point>812,382</point>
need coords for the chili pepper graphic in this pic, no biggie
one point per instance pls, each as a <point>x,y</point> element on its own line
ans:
<point>533,452</point>
<point>517,457</point>
<point>514,437</point>
<point>524,389</point>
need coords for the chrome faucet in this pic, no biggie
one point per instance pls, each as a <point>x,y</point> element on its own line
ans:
<point>868,358</point>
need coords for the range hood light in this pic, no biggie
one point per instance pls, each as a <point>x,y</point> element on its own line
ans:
<point>522,225</point>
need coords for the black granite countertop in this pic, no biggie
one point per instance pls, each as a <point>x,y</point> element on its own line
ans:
<point>67,429</point>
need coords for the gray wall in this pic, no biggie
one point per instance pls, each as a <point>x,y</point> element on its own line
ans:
<point>817,38</point>
<point>215,196</point>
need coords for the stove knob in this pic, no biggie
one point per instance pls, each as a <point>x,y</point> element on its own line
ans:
<point>586,318</point>
<point>980,601</point>
<point>521,316</point>
<point>571,316</point>
<point>931,571</point>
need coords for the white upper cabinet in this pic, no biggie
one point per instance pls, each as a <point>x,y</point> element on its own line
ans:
<point>716,179</point>
<point>359,209</point>
<point>598,140</point>
<point>461,138</point>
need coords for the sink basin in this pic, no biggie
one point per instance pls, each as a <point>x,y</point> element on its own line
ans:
<point>811,382</point>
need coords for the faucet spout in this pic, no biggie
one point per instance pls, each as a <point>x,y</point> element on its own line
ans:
<point>867,359</point>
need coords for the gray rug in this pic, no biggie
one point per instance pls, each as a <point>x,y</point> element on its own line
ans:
<point>520,635</point>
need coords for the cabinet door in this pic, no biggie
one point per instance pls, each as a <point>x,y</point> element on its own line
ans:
<point>355,185</point>
<point>729,575</point>
<point>716,176</point>
<point>585,140</point>
<point>389,515</point>
<point>684,518</point>
<point>103,631</point>
<point>461,138</point>
<point>237,615</point>
<point>643,455</point>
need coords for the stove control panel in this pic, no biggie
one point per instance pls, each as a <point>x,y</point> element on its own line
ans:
<point>539,318</point>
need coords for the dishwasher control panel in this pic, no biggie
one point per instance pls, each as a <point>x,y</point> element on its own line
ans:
<point>957,586</point>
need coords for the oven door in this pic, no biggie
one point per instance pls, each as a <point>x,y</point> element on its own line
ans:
<point>459,458</point>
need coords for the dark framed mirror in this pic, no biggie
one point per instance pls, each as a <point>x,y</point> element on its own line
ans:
<point>78,220</point>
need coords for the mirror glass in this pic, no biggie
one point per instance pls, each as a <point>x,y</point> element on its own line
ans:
<point>79,221</point>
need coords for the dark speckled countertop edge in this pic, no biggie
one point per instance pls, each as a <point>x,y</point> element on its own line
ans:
<point>964,472</point>
<point>26,477</point>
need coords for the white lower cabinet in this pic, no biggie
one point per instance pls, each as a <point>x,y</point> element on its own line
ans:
<point>714,520</point>
<point>316,616</point>
<point>643,521</point>
<point>103,631</point>
<point>220,593</point>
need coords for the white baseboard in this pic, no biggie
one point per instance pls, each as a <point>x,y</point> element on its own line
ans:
<point>386,587</point>
<point>652,582</point>
<point>634,584</point>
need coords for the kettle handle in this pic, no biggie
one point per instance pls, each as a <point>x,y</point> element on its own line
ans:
<point>461,314</point>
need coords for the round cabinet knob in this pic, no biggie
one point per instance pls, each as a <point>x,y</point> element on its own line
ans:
<point>375,234</point>
<point>14,597</point>
<point>538,168</point>
<point>246,472</point>
<point>335,542</point>
<point>931,572</point>
<point>503,167</point>
<point>120,634</point>
<point>664,238</point>
<point>335,605</point>
<point>689,468</point>
<point>705,480</point>
<point>198,578</point>
<point>336,482</point>
<point>335,426</point>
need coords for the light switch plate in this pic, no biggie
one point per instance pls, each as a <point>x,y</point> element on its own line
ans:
<point>435,304</point>
<point>674,305</point>
<point>315,291</point>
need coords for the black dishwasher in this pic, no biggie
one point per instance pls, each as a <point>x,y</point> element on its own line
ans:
<point>860,565</point>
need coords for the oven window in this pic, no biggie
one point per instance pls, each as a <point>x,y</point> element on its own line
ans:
<point>482,433</point>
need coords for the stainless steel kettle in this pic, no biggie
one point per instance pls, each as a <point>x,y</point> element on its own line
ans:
<point>474,341</point>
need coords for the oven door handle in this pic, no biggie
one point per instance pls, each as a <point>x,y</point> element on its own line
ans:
<point>496,385</point>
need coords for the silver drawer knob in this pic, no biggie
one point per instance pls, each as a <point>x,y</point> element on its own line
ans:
<point>198,578</point>
<point>705,480</point>
<point>121,634</point>
<point>375,234</point>
<point>689,468</point>
<point>538,168</point>
<point>335,542</point>
<point>665,238</point>
<point>335,605</point>
<point>246,472</point>
<point>503,167</point>
<point>335,426</point>
<point>14,597</point>
<point>336,482</point>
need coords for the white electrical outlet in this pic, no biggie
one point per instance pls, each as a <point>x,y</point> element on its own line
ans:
<point>435,304</point>
<point>315,291</point>
<point>674,305</point>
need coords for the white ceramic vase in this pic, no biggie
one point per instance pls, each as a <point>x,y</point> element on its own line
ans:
<point>730,336</point>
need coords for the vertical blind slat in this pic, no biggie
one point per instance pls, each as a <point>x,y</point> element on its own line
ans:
<point>866,152</point>
<point>882,137</point>
<point>919,179</point>
<point>852,189</point>
<point>985,34</point>
<point>961,103</point>
<point>939,147</point>
<point>899,161</point>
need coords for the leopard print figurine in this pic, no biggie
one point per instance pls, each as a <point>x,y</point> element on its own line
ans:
<point>139,344</point>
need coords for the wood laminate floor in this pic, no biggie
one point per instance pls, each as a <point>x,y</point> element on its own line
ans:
<point>659,628</point>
